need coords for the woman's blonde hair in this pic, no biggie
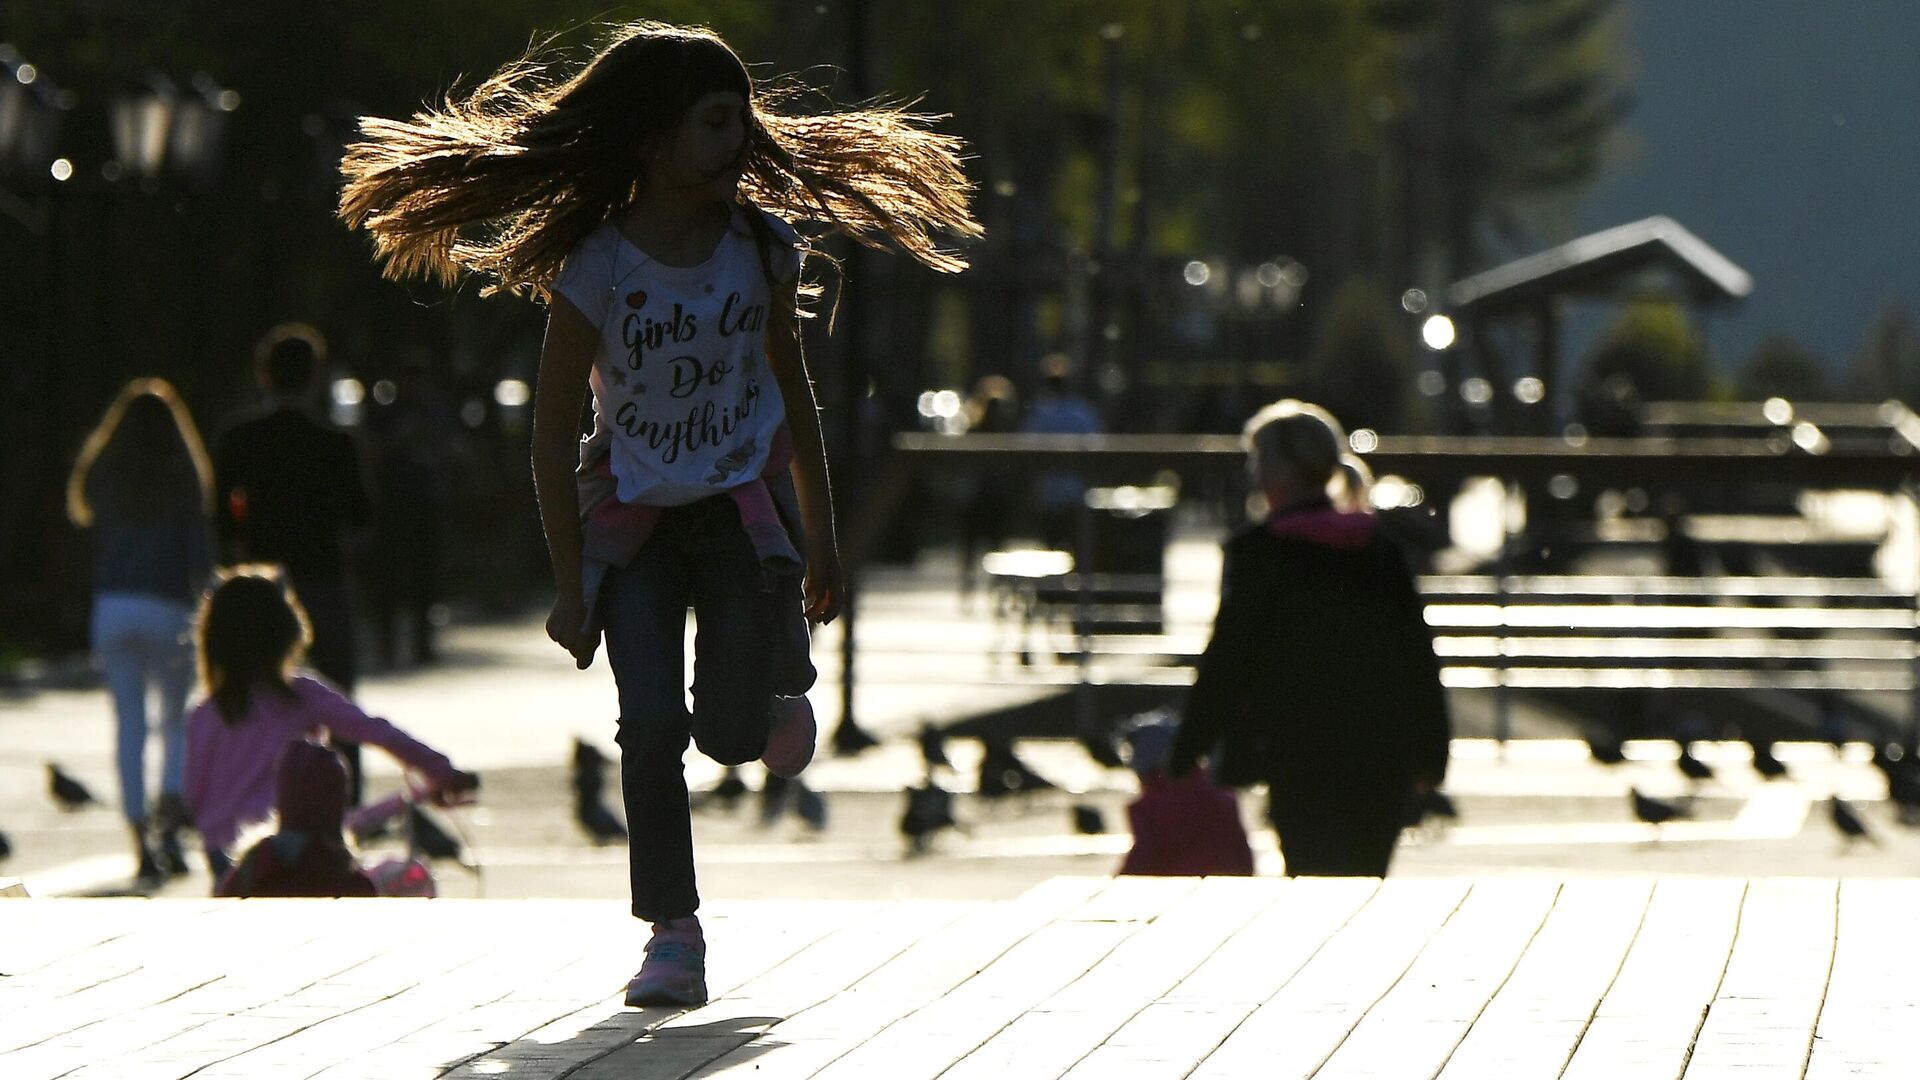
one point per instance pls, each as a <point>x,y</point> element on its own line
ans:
<point>1303,446</point>
<point>145,458</point>
<point>505,181</point>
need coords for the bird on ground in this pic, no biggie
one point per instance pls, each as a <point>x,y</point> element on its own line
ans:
<point>1607,751</point>
<point>1431,803</point>
<point>929,810</point>
<point>6,846</point>
<point>1765,763</point>
<point>727,793</point>
<point>1104,749</point>
<point>69,793</point>
<point>1088,821</point>
<point>1847,820</point>
<point>1692,767</point>
<point>589,807</point>
<point>850,739</point>
<point>429,839</point>
<point>810,806</point>
<point>1002,773</point>
<point>933,748</point>
<point>1655,811</point>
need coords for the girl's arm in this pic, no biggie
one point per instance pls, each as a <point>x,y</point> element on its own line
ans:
<point>809,456</point>
<point>326,707</point>
<point>566,359</point>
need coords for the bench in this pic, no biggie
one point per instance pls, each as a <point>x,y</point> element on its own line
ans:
<point>1581,635</point>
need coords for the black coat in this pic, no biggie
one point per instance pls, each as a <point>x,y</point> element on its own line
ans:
<point>1320,679</point>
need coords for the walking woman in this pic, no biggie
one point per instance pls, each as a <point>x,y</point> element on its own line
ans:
<point>142,487</point>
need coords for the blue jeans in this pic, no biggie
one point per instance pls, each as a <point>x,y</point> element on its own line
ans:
<point>143,641</point>
<point>698,557</point>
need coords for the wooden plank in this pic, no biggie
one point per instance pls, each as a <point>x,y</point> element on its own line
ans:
<point>1763,1019</point>
<point>1532,1025</point>
<point>1294,1032</point>
<point>740,947</point>
<point>1413,1030</point>
<point>1646,1024</point>
<point>918,976</point>
<point>1059,1031</point>
<point>36,934</point>
<point>1872,1009</point>
<point>879,935</point>
<point>255,1002</point>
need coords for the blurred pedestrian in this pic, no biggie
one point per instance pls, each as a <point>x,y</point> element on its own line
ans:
<point>1320,679</point>
<point>639,198</point>
<point>143,489</point>
<point>253,635</point>
<point>290,488</point>
<point>1059,410</point>
<point>413,437</point>
<point>992,500</point>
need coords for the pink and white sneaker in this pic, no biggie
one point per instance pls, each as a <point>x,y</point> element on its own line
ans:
<point>675,970</point>
<point>791,739</point>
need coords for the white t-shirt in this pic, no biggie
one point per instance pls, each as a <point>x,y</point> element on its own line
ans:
<point>683,398</point>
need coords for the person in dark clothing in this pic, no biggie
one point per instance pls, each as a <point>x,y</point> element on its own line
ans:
<point>1320,680</point>
<point>289,487</point>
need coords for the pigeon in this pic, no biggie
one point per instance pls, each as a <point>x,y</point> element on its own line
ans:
<point>589,808</point>
<point>1692,767</point>
<point>69,793</point>
<point>933,748</point>
<point>1765,763</point>
<point>726,794</point>
<point>1606,751</point>
<point>929,809</point>
<point>1848,821</point>
<point>850,738</point>
<point>811,806</point>
<point>1088,821</point>
<point>429,839</point>
<point>1003,774</point>
<point>6,846</point>
<point>1654,811</point>
<point>1104,749</point>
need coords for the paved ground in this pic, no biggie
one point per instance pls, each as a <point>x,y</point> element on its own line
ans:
<point>506,702</point>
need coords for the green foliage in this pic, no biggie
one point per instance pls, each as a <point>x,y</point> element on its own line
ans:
<point>1361,358</point>
<point>1783,367</point>
<point>1654,349</point>
<point>1888,364</point>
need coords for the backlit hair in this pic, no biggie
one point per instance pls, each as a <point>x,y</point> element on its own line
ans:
<point>506,180</point>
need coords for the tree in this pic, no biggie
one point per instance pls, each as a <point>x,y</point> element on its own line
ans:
<point>1651,353</point>
<point>1888,363</point>
<point>1361,358</point>
<point>1785,368</point>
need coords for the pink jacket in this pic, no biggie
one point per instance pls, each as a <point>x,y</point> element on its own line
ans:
<point>230,769</point>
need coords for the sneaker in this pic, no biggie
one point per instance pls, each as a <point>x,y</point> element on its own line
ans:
<point>790,742</point>
<point>675,971</point>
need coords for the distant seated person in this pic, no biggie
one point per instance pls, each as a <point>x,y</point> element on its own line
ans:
<point>1058,410</point>
<point>308,856</point>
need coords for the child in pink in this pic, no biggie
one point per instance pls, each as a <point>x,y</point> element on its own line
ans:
<point>252,632</point>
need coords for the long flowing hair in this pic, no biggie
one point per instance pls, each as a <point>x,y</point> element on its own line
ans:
<point>143,460</point>
<point>505,180</point>
<point>252,631</point>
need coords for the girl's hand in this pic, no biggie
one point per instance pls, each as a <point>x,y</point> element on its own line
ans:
<point>564,627</point>
<point>456,789</point>
<point>823,583</point>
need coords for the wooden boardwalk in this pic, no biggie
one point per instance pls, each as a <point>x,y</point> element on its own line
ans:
<point>1498,978</point>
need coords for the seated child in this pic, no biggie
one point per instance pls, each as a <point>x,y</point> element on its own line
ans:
<point>308,856</point>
